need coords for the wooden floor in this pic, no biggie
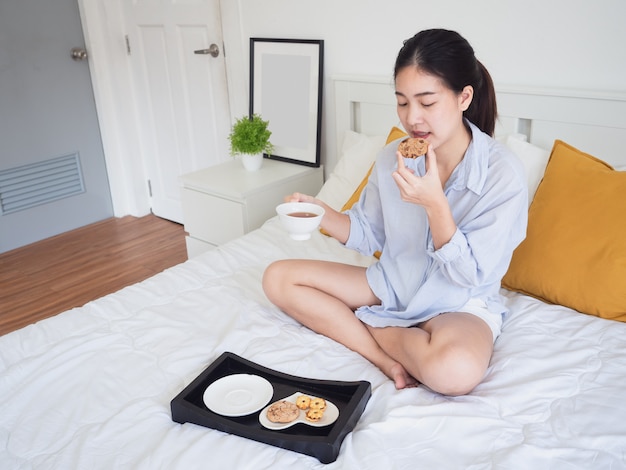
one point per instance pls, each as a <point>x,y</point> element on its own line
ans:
<point>69,270</point>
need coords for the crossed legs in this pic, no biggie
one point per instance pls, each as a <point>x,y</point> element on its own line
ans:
<point>448,353</point>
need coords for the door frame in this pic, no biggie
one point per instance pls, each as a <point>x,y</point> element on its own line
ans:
<point>111,75</point>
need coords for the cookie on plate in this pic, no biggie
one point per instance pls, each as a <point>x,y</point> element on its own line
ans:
<point>282,412</point>
<point>314,415</point>
<point>318,404</point>
<point>303,402</point>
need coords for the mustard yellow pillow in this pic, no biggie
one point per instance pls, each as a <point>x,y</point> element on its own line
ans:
<point>394,134</point>
<point>575,250</point>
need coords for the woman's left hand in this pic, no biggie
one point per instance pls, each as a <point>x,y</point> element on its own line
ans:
<point>423,190</point>
<point>427,191</point>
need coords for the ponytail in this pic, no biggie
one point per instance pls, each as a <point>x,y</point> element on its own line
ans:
<point>483,110</point>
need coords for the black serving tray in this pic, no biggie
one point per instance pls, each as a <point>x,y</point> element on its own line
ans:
<point>320,442</point>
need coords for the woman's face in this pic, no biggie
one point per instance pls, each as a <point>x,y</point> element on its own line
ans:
<point>428,109</point>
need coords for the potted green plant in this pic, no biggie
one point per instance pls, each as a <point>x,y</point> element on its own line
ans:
<point>250,138</point>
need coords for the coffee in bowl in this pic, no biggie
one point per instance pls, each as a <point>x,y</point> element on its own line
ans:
<point>300,219</point>
<point>302,214</point>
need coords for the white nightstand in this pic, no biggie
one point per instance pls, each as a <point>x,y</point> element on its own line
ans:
<point>225,201</point>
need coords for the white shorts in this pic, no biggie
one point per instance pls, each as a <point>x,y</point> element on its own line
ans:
<point>479,308</point>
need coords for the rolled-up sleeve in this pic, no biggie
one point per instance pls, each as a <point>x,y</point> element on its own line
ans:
<point>367,233</point>
<point>479,252</point>
<point>451,251</point>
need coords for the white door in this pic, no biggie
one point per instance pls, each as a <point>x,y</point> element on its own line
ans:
<point>52,170</point>
<point>181,91</point>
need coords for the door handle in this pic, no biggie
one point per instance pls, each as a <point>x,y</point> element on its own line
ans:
<point>213,51</point>
<point>78,53</point>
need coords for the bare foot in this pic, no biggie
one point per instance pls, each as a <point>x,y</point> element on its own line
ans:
<point>401,378</point>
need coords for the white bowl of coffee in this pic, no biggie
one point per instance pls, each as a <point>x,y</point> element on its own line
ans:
<point>300,219</point>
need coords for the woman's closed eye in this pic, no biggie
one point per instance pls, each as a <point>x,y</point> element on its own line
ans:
<point>423,105</point>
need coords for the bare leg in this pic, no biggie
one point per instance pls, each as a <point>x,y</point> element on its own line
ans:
<point>449,353</point>
<point>322,296</point>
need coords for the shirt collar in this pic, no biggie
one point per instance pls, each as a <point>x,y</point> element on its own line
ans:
<point>471,172</point>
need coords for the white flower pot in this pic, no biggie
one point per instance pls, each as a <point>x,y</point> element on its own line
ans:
<point>252,162</point>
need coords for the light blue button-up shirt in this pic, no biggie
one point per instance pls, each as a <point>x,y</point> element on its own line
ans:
<point>487,194</point>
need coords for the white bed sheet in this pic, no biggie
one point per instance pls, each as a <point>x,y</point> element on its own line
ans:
<point>91,388</point>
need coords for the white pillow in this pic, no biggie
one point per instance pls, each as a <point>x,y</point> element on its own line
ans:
<point>504,137</point>
<point>534,159</point>
<point>358,153</point>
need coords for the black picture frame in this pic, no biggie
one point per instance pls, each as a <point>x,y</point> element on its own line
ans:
<point>286,89</point>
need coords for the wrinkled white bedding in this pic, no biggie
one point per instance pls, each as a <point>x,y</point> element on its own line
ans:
<point>91,388</point>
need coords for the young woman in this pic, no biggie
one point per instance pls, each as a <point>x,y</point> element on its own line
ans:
<point>429,310</point>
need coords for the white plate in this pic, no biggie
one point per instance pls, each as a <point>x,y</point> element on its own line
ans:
<point>330,415</point>
<point>238,394</point>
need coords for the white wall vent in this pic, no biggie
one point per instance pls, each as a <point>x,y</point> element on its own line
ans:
<point>39,183</point>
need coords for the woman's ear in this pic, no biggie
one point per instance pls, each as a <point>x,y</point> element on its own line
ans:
<point>465,97</point>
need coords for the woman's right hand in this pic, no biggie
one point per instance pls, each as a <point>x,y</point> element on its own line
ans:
<point>334,222</point>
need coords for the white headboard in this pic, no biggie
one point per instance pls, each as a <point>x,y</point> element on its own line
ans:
<point>592,121</point>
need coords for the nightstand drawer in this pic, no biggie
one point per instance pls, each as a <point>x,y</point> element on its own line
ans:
<point>212,219</point>
<point>196,247</point>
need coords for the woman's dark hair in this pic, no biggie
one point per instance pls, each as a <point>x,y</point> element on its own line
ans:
<point>447,55</point>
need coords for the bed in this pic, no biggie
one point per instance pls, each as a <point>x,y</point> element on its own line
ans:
<point>92,387</point>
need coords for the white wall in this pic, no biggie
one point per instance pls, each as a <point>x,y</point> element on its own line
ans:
<point>542,43</point>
